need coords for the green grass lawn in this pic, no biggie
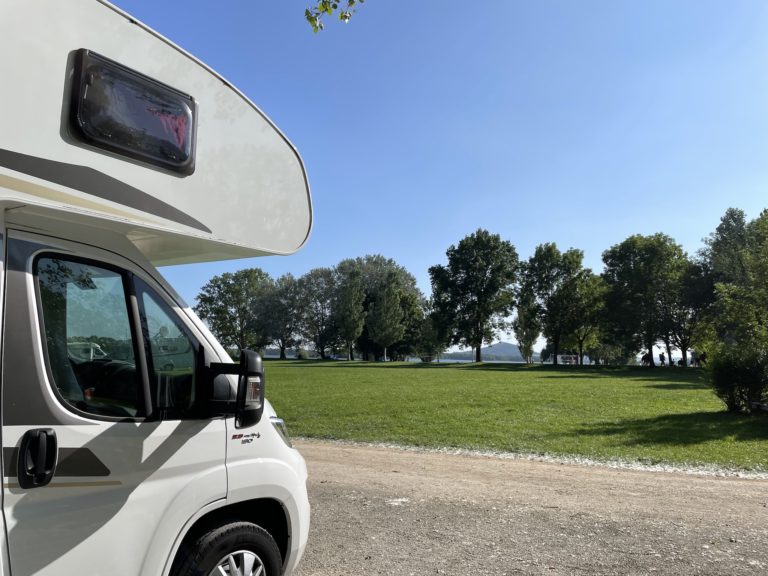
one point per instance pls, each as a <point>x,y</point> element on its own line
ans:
<point>650,415</point>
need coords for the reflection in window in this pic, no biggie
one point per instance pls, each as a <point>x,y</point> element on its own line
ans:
<point>124,111</point>
<point>171,356</point>
<point>88,337</point>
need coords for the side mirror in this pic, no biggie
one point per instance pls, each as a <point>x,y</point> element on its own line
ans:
<point>249,405</point>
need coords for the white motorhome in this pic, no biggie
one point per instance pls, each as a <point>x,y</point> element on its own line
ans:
<point>131,444</point>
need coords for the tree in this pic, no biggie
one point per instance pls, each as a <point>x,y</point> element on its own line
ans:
<point>739,323</point>
<point>348,308</point>
<point>434,337</point>
<point>605,352</point>
<point>527,322</point>
<point>553,276</point>
<point>284,313</point>
<point>693,295</point>
<point>233,305</point>
<point>385,320</point>
<point>315,14</point>
<point>317,289</point>
<point>685,294</point>
<point>723,254</point>
<point>475,291</point>
<point>376,270</point>
<point>639,274</point>
<point>412,308</point>
<point>586,309</point>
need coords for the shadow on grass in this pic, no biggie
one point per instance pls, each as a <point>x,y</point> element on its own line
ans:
<point>668,378</point>
<point>683,429</point>
<point>362,364</point>
<point>568,371</point>
<point>405,365</point>
<point>693,385</point>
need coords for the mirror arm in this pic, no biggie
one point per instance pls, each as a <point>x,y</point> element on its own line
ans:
<point>222,407</point>
<point>218,368</point>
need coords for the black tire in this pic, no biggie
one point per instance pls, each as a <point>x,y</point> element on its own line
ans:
<point>203,554</point>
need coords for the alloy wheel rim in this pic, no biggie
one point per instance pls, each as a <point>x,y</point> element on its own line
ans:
<point>240,563</point>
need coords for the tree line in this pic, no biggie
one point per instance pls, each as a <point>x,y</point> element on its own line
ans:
<point>650,292</point>
<point>370,305</point>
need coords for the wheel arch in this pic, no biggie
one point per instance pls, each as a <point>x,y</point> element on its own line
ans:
<point>268,513</point>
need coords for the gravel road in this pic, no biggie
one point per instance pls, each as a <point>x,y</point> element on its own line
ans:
<point>397,512</point>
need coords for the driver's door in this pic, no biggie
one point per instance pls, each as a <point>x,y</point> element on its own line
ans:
<point>98,370</point>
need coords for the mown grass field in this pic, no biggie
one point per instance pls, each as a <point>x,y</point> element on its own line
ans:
<point>648,415</point>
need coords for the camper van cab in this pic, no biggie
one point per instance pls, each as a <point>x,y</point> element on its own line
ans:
<point>131,443</point>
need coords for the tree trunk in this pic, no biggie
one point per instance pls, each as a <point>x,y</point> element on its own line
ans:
<point>581,354</point>
<point>385,353</point>
<point>651,362</point>
<point>669,353</point>
<point>350,351</point>
<point>282,352</point>
<point>555,350</point>
<point>685,357</point>
<point>478,357</point>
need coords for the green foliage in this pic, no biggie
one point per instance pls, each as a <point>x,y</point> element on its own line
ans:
<point>283,312</point>
<point>639,273</point>
<point>348,308</point>
<point>724,248</point>
<point>385,319</point>
<point>344,8</point>
<point>691,296</point>
<point>587,308</point>
<point>475,291</point>
<point>233,305</point>
<point>412,308</point>
<point>527,323</point>
<point>430,342</point>
<point>739,377</point>
<point>738,324</point>
<point>554,277</point>
<point>317,290</point>
<point>607,354</point>
<point>376,272</point>
<point>667,415</point>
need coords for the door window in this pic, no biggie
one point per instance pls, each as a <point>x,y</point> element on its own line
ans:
<point>91,344</point>
<point>89,337</point>
<point>171,355</point>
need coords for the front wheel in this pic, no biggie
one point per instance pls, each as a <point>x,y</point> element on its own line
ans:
<point>236,549</point>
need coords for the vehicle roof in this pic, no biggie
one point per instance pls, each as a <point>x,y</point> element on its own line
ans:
<point>248,195</point>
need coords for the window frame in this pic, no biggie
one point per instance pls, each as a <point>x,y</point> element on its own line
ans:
<point>142,287</point>
<point>133,286</point>
<point>80,127</point>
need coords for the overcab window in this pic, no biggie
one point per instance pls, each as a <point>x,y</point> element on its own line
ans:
<point>121,110</point>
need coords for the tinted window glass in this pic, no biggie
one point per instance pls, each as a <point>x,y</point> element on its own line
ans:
<point>120,109</point>
<point>88,337</point>
<point>171,355</point>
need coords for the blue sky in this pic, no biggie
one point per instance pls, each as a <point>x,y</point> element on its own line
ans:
<point>579,123</point>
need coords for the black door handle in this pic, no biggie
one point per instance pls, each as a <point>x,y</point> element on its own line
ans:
<point>37,457</point>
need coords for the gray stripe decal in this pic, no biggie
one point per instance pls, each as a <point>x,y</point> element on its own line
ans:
<point>96,183</point>
<point>73,462</point>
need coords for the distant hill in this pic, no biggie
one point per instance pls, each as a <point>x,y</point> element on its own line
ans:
<point>499,352</point>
